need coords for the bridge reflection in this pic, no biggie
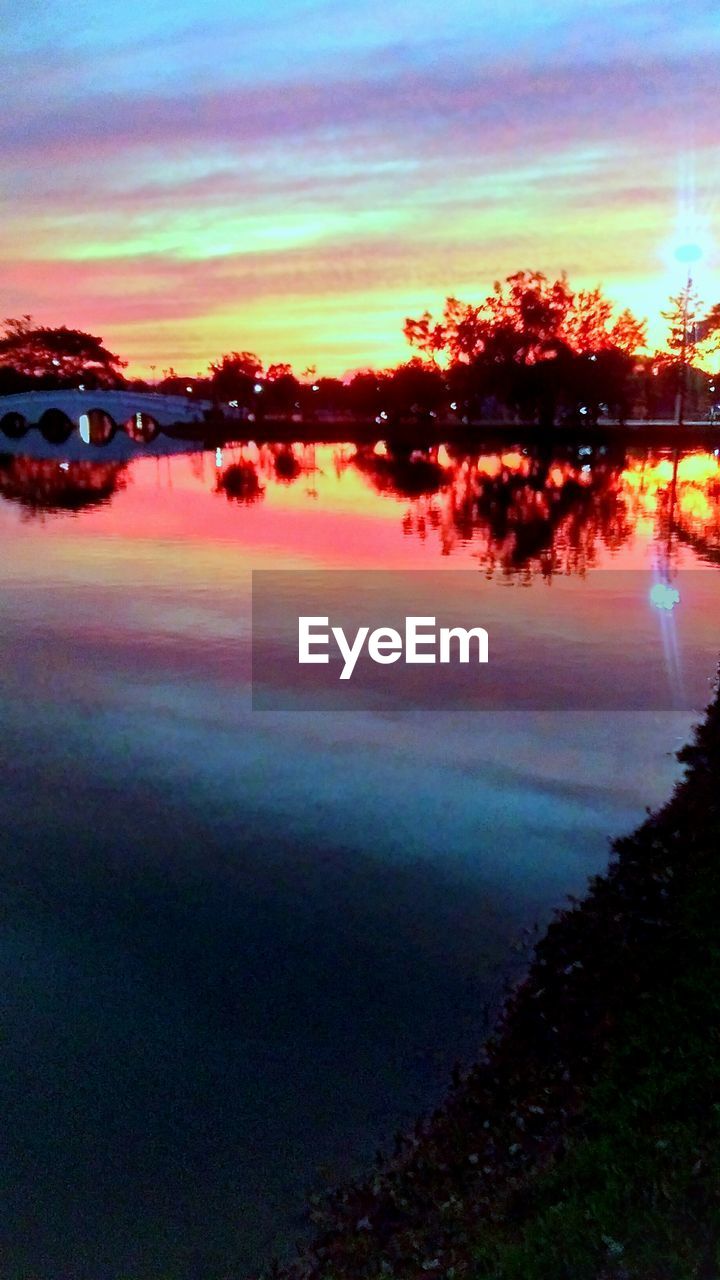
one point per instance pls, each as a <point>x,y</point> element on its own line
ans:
<point>521,512</point>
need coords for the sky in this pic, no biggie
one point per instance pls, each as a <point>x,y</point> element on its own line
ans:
<point>296,178</point>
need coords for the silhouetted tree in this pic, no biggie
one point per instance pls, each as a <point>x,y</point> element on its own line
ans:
<point>428,335</point>
<point>328,395</point>
<point>59,356</point>
<point>521,344</point>
<point>281,390</point>
<point>234,376</point>
<point>416,388</point>
<point>683,317</point>
<point>367,393</point>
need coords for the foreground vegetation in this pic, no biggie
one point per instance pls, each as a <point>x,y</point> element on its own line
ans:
<point>585,1145</point>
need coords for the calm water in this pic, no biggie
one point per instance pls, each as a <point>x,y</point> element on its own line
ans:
<point>240,949</point>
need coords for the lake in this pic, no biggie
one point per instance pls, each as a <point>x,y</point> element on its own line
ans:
<point>242,948</point>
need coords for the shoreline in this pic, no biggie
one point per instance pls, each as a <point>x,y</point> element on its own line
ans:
<point>662,435</point>
<point>585,1142</point>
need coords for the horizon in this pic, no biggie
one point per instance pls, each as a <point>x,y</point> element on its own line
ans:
<point>298,184</point>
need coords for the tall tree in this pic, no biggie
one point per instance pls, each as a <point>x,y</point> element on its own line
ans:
<point>530,314</point>
<point>683,317</point>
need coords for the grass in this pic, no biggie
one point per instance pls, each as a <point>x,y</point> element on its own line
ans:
<point>636,1193</point>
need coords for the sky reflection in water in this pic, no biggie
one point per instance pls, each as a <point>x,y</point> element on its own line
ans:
<point>240,947</point>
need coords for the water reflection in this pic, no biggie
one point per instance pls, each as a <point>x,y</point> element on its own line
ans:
<point>239,482</point>
<point>527,511</point>
<point>679,497</point>
<point>44,486</point>
<point>403,473</point>
<point>176,866</point>
<point>518,512</point>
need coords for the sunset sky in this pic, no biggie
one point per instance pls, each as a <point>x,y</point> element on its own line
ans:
<point>297,177</point>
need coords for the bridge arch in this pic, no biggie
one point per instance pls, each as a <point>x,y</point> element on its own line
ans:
<point>55,426</point>
<point>142,427</point>
<point>14,425</point>
<point>96,427</point>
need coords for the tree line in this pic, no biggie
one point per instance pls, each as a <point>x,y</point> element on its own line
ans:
<point>533,349</point>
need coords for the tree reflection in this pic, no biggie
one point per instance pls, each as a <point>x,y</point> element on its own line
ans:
<point>239,482</point>
<point>529,512</point>
<point>522,512</point>
<point>46,486</point>
<point>537,513</point>
<point>405,473</point>
<point>287,467</point>
<point>680,497</point>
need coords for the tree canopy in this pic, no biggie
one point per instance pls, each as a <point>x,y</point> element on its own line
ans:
<point>38,351</point>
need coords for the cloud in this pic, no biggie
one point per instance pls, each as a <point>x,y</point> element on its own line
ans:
<point>444,106</point>
<point>174,167</point>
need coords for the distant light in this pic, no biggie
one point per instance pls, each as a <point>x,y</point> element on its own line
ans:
<point>583,408</point>
<point>586,467</point>
<point>218,457</point>
<point>383,416</point>
<point>257,388</point>
<point>81,387</point>
<point>663,596</point>
<point>593,358</point>
<point>233,404</point>
<point>315,387</point>
<point>688,252</point>
<point>188,388</point>
<point>585,451</point>
<point>453,404</point>
<point>56,363</point>
<point>64,466</point>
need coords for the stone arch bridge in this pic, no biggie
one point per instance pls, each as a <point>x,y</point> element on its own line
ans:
<point>97,415</point>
